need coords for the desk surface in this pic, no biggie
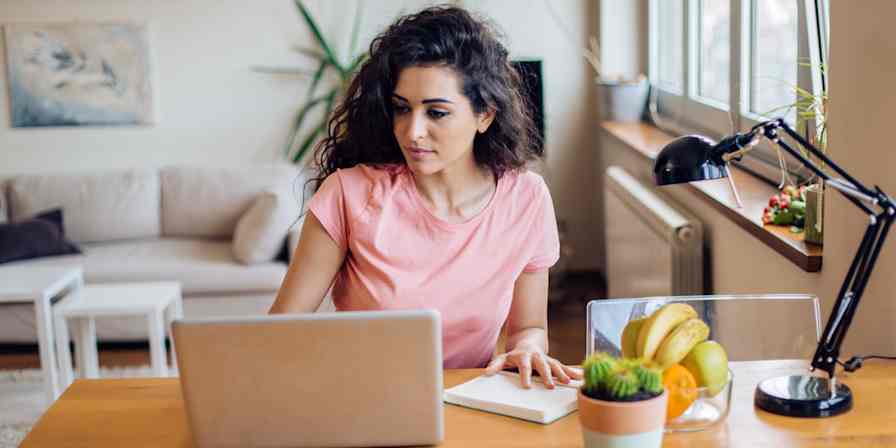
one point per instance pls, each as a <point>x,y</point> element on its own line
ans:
<point>149,412</point>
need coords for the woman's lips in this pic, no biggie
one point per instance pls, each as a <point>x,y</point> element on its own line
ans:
<point>419,153</point>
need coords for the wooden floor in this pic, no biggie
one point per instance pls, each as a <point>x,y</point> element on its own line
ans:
<point>566,330</point>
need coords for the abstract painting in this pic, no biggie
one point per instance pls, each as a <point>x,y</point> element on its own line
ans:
<point>78,74</point>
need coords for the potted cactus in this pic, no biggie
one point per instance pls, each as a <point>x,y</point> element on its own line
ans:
<point>622,403</point>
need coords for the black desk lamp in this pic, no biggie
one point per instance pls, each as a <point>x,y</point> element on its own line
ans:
<point>694,158</point>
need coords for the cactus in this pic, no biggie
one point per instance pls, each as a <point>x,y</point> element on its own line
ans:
<point>614,379</point>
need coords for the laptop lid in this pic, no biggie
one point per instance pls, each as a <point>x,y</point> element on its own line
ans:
<point>370,378</point>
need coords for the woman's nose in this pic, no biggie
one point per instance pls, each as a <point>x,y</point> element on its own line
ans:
<point>415,127</point>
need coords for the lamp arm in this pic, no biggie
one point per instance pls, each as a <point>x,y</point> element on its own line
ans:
<point>828,349</point>
<point>780,123</point>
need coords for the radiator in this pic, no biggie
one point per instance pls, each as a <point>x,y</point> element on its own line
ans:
<point>653,248</point>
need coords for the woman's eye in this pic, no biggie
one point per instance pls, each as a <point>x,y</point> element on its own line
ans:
<point>436,113</point>
<point>398,109</point>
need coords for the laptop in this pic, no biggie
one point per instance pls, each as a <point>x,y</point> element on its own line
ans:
<point>368,378</point>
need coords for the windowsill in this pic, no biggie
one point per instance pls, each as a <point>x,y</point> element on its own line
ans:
<point>647,141</point>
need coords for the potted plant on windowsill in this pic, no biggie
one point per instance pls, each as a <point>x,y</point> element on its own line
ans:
<point>810,110</point>
<point>622,403</point>
<point>619,99</point>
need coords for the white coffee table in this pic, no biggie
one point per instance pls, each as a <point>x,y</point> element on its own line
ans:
<point>40,285</point>
<point>158,302</point>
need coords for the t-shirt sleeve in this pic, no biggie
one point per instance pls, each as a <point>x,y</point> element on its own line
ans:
<point>547,250</point>
<point>328,206</point>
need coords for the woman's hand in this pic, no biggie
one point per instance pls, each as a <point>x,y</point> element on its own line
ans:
<point>524,358</point>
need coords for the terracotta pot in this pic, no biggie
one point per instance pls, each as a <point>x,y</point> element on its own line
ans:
<point>616,424</point>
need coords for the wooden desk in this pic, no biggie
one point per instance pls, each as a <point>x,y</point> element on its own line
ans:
<point>150,413</point>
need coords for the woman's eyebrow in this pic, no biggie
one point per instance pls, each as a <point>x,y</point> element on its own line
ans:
<point>426,101</point>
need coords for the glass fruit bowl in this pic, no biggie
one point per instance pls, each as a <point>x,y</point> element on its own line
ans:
<point>710,407</point>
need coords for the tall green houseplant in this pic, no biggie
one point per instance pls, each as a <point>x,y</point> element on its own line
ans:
<point>329,81</point>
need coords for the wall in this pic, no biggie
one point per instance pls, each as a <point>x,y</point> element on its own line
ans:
<point>860,123</point>
<point>212,109</point>
<point>861,129</point>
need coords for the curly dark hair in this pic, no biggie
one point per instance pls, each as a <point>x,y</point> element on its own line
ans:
<point>360,130</point>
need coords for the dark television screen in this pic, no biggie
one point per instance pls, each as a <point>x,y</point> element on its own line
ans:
<point>530,71</point>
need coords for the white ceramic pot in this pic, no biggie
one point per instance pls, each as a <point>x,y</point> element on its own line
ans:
<point>622,100</point>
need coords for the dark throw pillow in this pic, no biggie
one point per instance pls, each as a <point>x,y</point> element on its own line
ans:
<point>40,236</point>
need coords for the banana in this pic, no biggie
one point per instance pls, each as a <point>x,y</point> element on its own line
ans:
<point>630,337</point>
<point>680,341</point>
<point>658,326</point>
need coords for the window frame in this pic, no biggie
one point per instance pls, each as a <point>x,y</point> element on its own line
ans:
<point>685,112</point>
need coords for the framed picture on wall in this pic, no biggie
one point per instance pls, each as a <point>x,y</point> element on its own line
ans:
<point>78,74</point>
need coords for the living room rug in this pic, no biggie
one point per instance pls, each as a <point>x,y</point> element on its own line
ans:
<point>22,399</point>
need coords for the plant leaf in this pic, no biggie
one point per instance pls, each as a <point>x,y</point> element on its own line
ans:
<point>356,27</point>
<point>300,119</point>
<point>315,30</point>
<point>306,144</point>
<point>356,63</point>
<point>328,101</point>
<point>313,53</point>
<point>280,70</point>
<point>318,75</point>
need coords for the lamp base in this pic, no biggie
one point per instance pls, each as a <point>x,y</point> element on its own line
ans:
<point>802,396</point>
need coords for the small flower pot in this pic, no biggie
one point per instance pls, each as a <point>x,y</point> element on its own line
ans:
<point>622,100</point>
<point>618,424</point>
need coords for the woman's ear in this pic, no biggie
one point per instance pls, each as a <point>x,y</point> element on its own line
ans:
<point>485,120</point>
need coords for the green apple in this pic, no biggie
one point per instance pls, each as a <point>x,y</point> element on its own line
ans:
<point>708,362</point>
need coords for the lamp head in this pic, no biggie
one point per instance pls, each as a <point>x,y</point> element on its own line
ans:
<point>687,159</point>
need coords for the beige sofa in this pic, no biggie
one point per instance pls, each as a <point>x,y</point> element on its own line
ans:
<point>217,231</point>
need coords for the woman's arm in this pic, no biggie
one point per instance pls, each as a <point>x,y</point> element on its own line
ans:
<point>315,263</point>
<point>527,329</point>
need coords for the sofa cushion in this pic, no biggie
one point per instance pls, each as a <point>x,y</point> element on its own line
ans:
<point>201,266</point>
<point>261,231</point>
<point>207,202</point>
<point>40,236</point>
<point>97,206</point>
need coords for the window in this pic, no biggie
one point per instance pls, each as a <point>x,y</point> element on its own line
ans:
<point>773,56</point>
<point>721,66</point>
<point>714,51</point>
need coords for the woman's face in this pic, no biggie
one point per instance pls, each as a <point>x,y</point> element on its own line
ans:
<point>433,121</point>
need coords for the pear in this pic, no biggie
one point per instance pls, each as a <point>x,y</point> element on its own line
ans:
<point>708,362</point>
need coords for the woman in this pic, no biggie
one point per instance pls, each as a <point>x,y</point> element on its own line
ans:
<point>423,199</point>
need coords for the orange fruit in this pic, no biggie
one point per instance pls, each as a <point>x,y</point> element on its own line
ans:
<point>682,389</point>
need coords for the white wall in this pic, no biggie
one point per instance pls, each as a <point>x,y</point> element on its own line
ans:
<point>212,109</point>
<point>861,134</point>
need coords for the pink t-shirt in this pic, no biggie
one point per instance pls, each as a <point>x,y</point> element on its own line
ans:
<point>401,256</point>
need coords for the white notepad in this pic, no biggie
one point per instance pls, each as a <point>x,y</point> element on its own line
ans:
<point>503,394</point>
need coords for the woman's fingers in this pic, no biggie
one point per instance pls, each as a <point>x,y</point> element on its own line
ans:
<point>495,365</point>
<point>524,363</point>
<point>557,369</point>
<point>549,368</point>
<point>541,364</point>
<point>573,372</point>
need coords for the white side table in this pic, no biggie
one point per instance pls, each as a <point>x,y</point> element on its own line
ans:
<point>159,302</point>
<point>40,285</point>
